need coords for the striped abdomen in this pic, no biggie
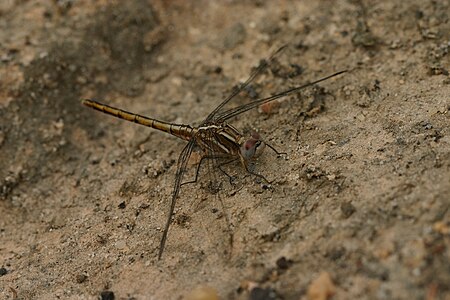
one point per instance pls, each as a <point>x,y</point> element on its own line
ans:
<point>182,131</point>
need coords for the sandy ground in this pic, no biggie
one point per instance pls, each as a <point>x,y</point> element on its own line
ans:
<point>358,209</point>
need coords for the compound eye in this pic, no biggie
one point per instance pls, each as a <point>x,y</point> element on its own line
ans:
<point>259,148</point>
<point>252,148</point>
<point>248,149</point>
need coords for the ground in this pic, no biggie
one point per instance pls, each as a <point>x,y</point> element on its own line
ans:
<point>357,209</point>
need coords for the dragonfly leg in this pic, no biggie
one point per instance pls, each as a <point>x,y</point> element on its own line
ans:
<point>197,171</point>
<point>275,150</point>
<point>256,174</point>
<point>230,178</point>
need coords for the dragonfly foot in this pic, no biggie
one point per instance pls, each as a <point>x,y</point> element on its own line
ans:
<point>283,155</point>
<point>232,180</point>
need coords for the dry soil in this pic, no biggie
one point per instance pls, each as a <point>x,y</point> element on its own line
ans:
<point>361,199</point>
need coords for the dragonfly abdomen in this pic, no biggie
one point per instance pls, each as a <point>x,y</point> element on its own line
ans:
<point>179,130</point>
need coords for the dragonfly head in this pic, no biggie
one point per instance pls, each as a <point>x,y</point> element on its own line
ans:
<point>252,147</point>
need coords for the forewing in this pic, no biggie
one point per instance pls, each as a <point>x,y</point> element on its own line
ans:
<point>228,114</point>
<point>260,69</point>
<point>183,160</point>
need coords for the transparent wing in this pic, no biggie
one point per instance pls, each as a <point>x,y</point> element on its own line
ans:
<point>263,66</point>
<point>181,170</point>
<point>228,114</point>
<point>216,177</point>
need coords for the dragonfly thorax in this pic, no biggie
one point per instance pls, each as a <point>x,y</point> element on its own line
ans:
<point>219,138</point>
<point>225,138</point>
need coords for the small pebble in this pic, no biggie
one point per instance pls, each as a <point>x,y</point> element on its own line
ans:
<point>283,263</point>
<point>107,295</point>
<point>347,209</point>
<point>263,294</point>
<point>81,278</point>
<point>322,288</point>
<point>121,244</point>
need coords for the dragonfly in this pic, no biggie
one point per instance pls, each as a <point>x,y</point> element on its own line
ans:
<point>215,136</point>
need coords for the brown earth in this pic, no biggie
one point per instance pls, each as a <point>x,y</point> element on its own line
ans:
<point>361,203</point>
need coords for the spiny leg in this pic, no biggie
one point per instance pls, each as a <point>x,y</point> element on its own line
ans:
<point>197,171</point>
<point>230,178</point>
<point>275,150</point>
<point>279,154</point>
<point>256,174</point>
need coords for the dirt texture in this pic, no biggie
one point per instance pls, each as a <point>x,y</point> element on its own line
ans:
<point>358,209</point>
